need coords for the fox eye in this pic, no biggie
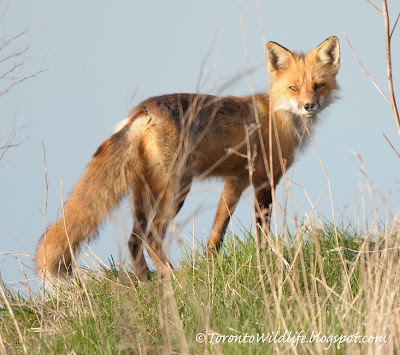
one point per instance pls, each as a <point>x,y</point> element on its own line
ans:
<point>293,88</point>
<point>318,86</point>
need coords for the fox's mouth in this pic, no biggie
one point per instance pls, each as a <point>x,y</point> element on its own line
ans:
<point>309,110</point>
<point>309,114</point>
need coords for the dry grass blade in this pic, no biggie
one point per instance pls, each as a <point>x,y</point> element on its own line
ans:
<point>374,6</point>
<point>365,70</point>
<point>3,349</point>
<point>394,26</point>
<point>389,65</point>
<point>390,143</point>
<point>10,310</point>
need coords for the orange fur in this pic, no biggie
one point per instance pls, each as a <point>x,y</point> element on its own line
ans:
<point>168,141</point>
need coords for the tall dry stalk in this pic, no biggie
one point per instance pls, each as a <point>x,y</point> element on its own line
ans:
<point>388,38</point>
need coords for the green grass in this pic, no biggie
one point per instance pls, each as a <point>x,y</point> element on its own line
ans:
<point>320,280</point>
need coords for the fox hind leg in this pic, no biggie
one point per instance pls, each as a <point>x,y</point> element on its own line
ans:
<point>136,241</point>
<point>150,234</point>
<point>166,210</point>
<point>169,205</point>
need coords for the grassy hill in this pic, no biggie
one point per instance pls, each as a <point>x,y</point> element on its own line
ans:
<point>321,291</point>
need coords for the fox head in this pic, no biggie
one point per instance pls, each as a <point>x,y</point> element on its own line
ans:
<point>303,84</point>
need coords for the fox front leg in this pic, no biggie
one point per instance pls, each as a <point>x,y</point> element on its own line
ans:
<point>263,211</point>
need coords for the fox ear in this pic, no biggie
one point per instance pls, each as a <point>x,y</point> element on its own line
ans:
<point>328,52</point>
<point>277,57</point>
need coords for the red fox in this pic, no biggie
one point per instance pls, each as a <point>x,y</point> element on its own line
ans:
<point>168,141</point>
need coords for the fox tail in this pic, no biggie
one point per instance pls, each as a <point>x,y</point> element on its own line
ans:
<point>101,187</point>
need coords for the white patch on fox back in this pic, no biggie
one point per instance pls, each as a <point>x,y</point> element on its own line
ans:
<point>138,125</point>
<point>121,125</point>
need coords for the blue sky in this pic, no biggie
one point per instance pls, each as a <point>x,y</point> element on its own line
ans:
<point>100,59</point>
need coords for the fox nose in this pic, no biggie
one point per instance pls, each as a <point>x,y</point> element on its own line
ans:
<point>310,106</point>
